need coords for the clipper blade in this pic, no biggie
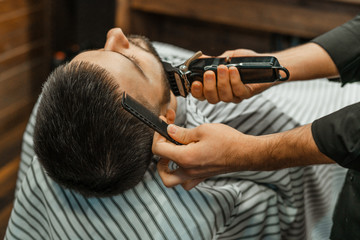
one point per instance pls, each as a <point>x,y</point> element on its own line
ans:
<point>170,71</point>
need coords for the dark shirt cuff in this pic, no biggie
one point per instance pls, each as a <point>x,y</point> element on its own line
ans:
<point>338,136</point>
<point>343,46</point>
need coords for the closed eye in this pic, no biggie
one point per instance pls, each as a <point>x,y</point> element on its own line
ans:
<point>134,59</point>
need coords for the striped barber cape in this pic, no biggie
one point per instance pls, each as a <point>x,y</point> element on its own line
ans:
<point>293,203</point>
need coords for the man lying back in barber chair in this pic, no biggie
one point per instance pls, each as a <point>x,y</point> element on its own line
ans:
<point>87,169</point>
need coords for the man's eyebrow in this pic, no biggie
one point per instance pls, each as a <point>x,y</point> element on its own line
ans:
<point>134,62</point>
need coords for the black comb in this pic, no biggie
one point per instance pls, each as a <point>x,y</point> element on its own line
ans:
<point>146,116</point>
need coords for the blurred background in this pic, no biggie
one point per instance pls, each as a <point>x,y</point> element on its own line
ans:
<point>38,35</point>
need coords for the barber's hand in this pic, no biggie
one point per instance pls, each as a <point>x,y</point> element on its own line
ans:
<point>228,87</point>
<point>210,149</point>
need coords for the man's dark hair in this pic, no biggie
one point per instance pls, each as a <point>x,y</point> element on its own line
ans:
<point>83,137</point>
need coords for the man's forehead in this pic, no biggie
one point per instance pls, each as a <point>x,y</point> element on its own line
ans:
<point>87,54</point>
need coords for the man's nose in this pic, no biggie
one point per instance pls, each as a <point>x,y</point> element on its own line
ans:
<point>116,40</point>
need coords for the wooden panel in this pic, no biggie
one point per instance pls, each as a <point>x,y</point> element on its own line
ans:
<point>7,6</point>
<point>22,19</point>
<point>211,38</point>
<point>21,28</point>
<point>11,138</point>
<point>10,143</point>
<point>18,55</point>
<point>299,18</point>
<point>17,38</point>
<point>21,82</point>
<point>122,17</point>
<point>5,212</point>
<point>18,111</point>
<point>24,63</point>
<point>8,175</point>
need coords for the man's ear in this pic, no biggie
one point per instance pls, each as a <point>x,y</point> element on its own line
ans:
<point>170,116</point>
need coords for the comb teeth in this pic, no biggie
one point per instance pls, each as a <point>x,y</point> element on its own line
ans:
<point>170,74</point>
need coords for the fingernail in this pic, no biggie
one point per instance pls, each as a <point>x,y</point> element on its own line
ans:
<point>172,129</point>
<point>221,72</point>
<point>196,89</point>
<point>208,78</point>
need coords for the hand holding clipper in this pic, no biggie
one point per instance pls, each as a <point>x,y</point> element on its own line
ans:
<point>259,69</point>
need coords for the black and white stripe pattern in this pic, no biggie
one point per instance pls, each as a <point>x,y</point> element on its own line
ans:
<point>294,203</point>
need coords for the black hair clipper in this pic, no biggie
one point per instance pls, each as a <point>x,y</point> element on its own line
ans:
<point>252,70</point>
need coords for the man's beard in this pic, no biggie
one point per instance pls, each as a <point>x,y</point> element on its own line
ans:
<point>144,42</point>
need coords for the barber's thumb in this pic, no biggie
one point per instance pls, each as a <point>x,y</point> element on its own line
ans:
<point>179,134</point>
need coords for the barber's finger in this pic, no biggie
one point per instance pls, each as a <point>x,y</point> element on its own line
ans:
<point>189,184</point>
<point>210,90</point>
<point>162,147</point>
<point>158,138</point>
<point>197,90</point>
<point>238,88</point>
<point>170,178</point>
<point>166,149</point>
<point>182,135</point>
<point>223,84</point>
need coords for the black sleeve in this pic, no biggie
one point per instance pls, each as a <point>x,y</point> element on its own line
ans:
<point>338,136</point>
<point>343,46</point>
